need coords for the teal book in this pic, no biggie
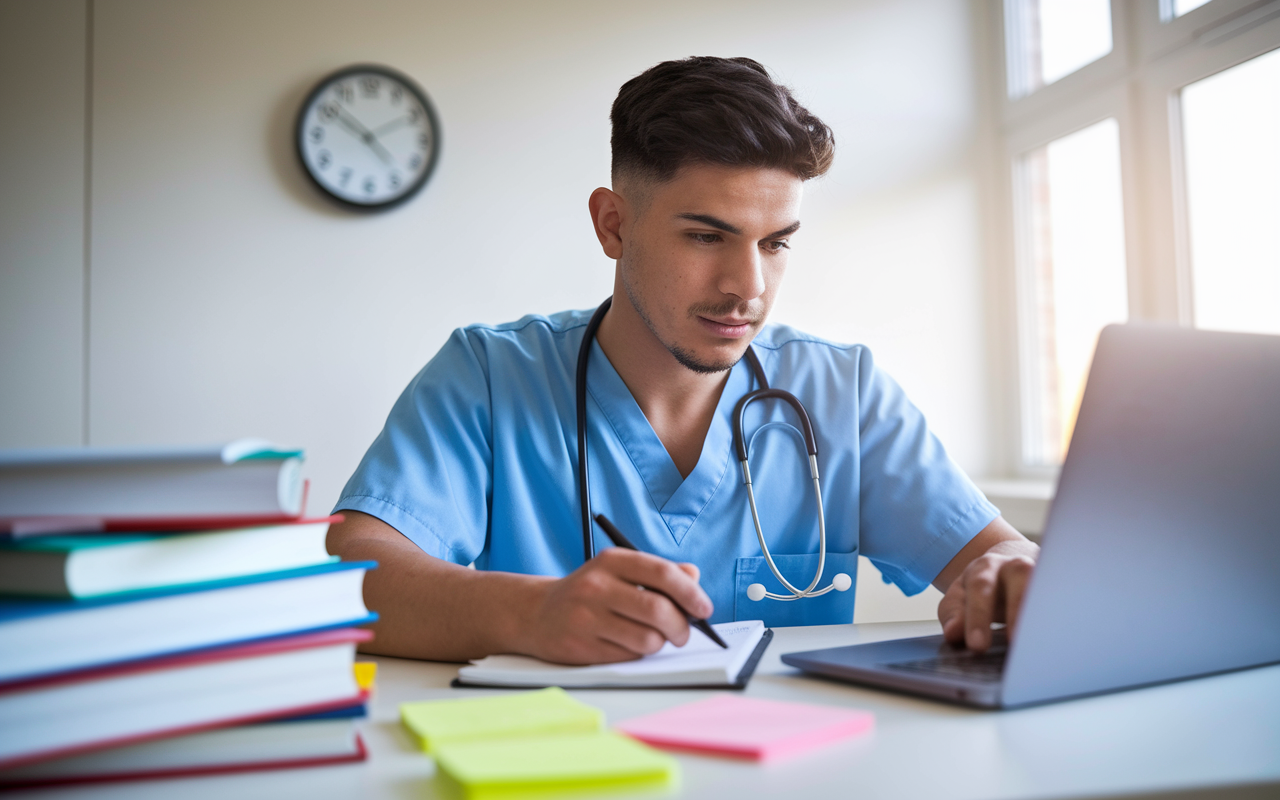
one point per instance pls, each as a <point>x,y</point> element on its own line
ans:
<point>96,565</point>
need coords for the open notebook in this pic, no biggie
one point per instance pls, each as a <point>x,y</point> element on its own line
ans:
<point>699,664</point>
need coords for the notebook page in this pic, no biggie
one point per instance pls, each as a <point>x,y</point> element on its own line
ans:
<point>699,661</point>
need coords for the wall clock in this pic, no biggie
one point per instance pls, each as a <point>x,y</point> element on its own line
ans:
<point>368,137</point>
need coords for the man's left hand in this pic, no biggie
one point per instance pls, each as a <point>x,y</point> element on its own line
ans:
<point>992,581</point>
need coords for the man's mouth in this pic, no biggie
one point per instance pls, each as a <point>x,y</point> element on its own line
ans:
<point>728,327</point>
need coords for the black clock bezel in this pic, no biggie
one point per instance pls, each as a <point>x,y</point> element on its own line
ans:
<point>413,88</point>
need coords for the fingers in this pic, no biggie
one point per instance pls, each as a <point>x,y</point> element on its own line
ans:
<point>637,638</point>
<point>650,609</point>
<point>989,590</point>
<point>1015,575</point>
<point>951,614</point>
<point>602,613</point>
<point>981,584</point>
<point>642,569</point>
<point>979,608</point>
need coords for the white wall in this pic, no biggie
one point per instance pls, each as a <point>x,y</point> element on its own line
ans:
<point>42,222</point>
<point>227,299</point>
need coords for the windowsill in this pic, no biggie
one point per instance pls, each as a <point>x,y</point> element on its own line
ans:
<point>1023,503</point>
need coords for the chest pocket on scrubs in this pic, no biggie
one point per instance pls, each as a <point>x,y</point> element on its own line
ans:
<point>833,608</point>
<point>789,519</point>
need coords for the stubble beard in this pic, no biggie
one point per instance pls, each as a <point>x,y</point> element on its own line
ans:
<point>685,357</point>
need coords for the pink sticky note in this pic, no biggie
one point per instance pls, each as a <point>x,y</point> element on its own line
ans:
<point>747,727</point>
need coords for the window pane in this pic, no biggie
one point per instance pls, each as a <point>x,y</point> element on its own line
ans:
<point>1072,274</point>
<point>1176,8</point>
<point>1054,38</point>
<point>1231,141</point>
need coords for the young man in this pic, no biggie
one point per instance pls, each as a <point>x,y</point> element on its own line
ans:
<point>478,460</point>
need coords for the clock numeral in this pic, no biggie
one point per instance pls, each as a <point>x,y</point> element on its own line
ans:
<point>327,112</point>
<point>425,140</point>
<point>317,134</point>
<point>346,176</point>
<point>344,92</point>
<point>370,186</point>
<point>415,161</point>
<point>393,180</point>
<point>323,159</point>
<point>370,86</point>
<point>415,114</point>
<point>397,94</point>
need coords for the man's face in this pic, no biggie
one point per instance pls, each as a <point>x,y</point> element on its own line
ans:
<point>703,259</point>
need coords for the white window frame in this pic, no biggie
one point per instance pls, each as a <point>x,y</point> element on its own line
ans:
<point>1138,84</point>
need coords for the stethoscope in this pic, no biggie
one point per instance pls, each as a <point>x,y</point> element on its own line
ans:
<point>756,591</point>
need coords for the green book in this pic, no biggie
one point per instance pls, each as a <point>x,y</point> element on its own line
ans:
<point>547,711</point>
<point>551,766</point>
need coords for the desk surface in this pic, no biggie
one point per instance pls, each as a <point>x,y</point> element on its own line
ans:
<point>1221,731</point>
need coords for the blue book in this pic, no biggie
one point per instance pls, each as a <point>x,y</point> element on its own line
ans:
<point>45,637</point>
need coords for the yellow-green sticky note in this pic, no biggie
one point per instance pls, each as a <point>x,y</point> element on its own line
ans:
<point>552,766</point>
<point>545,711</point>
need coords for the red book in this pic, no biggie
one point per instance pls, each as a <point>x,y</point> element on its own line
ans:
<point>57,716</point>
<point>246,482</point>
<point>279,744</point>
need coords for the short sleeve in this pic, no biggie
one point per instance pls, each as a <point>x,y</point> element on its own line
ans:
<point>429,472</point>
<point>917,507</point>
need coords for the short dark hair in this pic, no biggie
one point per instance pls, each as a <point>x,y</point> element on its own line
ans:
<point>725,111</point>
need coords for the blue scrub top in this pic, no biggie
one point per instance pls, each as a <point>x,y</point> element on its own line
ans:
<point>477,462</point>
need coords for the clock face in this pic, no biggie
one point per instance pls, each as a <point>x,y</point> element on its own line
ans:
<point>368,137</point>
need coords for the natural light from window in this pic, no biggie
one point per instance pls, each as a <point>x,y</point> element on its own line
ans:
<point>1073,33</point>
<point>1181,7</point>
<point>1073,276</point>
<point>1055,38</point>
<point>1231,141</point>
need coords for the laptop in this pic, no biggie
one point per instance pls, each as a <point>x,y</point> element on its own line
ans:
<point>1160,558</point>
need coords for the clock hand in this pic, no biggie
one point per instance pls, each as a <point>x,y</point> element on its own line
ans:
<point>363,134</point>
<point>392,125</point>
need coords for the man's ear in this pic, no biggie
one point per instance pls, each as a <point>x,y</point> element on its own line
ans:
<point>608,208</point>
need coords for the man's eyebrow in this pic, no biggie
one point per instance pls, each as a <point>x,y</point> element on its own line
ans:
<point>719,224</point>
<point>711,222</point>
<point>787,231</point>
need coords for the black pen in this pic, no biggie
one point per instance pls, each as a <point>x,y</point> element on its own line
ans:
<point>617,538</point>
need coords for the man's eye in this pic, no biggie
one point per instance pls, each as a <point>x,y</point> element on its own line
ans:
<point>778,244</point>
<point>705,238</point>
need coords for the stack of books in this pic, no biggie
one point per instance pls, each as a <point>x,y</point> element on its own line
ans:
<point>171,612</point>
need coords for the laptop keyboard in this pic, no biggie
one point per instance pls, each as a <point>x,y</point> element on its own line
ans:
<point>986,667</point>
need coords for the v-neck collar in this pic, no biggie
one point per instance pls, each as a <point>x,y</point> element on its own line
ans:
<point>678,500</point>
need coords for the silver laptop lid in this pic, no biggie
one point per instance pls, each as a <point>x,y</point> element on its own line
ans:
<point>1161,553</point>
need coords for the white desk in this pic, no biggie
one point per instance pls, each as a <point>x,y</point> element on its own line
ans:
<point>1222,731</point>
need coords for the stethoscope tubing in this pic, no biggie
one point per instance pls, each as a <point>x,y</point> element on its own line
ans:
<point>740,446</point>
<point>580,396</point>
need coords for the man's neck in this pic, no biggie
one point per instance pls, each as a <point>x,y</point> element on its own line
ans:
<point>678,402</point>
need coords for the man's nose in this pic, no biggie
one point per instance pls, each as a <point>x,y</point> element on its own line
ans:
<point>742,274</point>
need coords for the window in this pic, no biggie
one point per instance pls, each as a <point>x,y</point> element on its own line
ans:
<point>1231,143</point>
<point>1073,275</point>
<point>1171,9</point>
<point>1051,39</point>
<point>1140,180</point>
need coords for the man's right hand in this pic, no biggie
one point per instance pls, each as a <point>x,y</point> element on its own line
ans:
<point>436,610</point>
<point>600,613</point>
